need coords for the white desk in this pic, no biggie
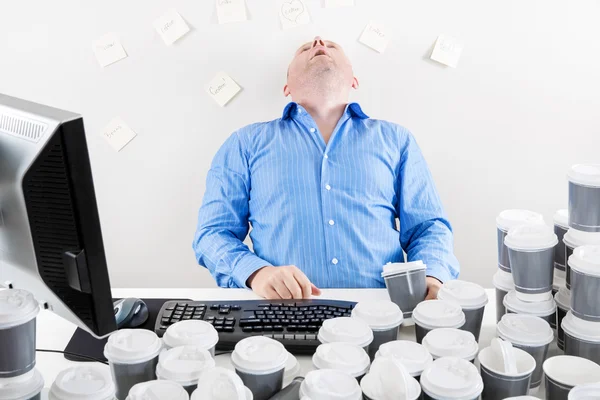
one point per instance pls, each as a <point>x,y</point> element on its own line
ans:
<point>54,333</point>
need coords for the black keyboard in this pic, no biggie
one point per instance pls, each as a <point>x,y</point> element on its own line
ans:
<point>294,323</point>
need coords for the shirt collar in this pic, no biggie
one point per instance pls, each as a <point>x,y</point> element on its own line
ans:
<point>352,109</point>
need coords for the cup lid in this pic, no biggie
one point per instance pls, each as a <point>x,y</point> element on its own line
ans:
<point>183,364</point>
<point>580,328</point>
<point>585,174</point>
<point>17,307</point>
<point>259,355</point>
<point>571,370</point>
<point>504,351</point>
<point>292,368</point>
<point>561,218</point>
<point>589,391</point>
<point>432,314</point>
<point>330,384</point>
<point>346,329</point>
<point>22,387</point>
<point>467,294</point>
<point>525,330</point>
<point>131,346</point>
<point>346,357</point>
<point>414,356</point>
<point>530,237</point>
<point>390,269</point>
<point>164,390</point>
<point>539,308</point>
<point>191,332</point>
<point>452,378</point>
<point>508,219</point>
<point>503,280</point>
<point>379,315</point>
<point>586,259</point>
<point>451,342</point>
<point>388,379</point>
<point>221,384</point>
<point>574,238</point>
<point>83,383</point>
<point>563,298</point>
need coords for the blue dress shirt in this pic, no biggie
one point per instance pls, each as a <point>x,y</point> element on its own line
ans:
<point>328,209</point>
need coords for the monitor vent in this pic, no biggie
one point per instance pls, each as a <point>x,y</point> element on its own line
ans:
<point>22,127</point>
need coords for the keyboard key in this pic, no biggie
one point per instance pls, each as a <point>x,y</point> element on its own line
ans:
<point>265,321</point>
<point>219,328</point>
<point>279,313</point>
<point>274,308</point>
<point>292,328</point>
<point>298,313</point>
<point>249,322</point>
<point>320,316</point>
<point>229,323</point>
<point>327,312</point>
<point>299,337</point>
<point>337,314</point>
<point>198,317</point>
<point>220,318</point>
<point>304,308</point>
<point>190,312</point>
<point>164,320</point>
<point>278,328</point>
<point>187,317</point>
<point>269,313</point>
<point>268,328</point>
<point>167,314</point>
<point>313,328</point>
<point>329,317</point>
<point>214,307</point>
<point>267,306</point>
<point>285,321</point>
<point>228,329</point>
<point>210,318</point>
<point>289,312</point>
<point>288,337</point>
<point>224,311</point>
<point>313,308</point>
<point>332,308</point>
<point>302,328</point>
<point>284,308</point>
<point>163,327</point>
<point>278,336</point>
<point>170,308</point>
<point>236,307</point>
<point>294,309</point>
<point>275,321</point>
<point>259,312</point>
<point>315,320</point>
<point>219,322</point>
<point>295,321</point>
<point>230,319</point>
<point>311,337</point>
<point>322,307</point>
<point>257,328</point>
<point>305,321</point>
<point>308,313</point>
<point>247,329</point>
<point>276,305</point>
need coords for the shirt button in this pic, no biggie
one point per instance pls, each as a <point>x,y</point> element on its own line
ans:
<point>325,155</point>
<point>331,222</point>
<point>312,130</point>
<point>327,187</point>
<point>334,261</point>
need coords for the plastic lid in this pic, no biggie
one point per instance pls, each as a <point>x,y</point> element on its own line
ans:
<point>379,315</point>
<point>330,384</point>
<point>346,357</point>
<point>585,174</point>
<point>452,378</point>
<point>83,383</point>
<point>221,384</point>
<point>191,332</point>
<point>563,298</point>
<point>504,281</point>
<point>574,238</point>
<point>586,259</point>
<point>183,364</point>
<point>571,370</point>
<point>530,238</point>
<point>390,269</point>
<point>259,355</point>
<point>388,379</point>
<point>154,390</point>
<point>292,369</point>
<point>432,314</point>
<point>580,328</point>
<point>451,342</point>
<point>504,352</point>
<point>467,294</point>
<point>346,329</point>
<point>508,219</point>
<point>525,330</point>
<point>414,356</point>
<point>539,309</point>
<point>132,346</point>
<point>22,387</point>
<point>17,307</point>
<point>590,391</point>
<point>561,218</point>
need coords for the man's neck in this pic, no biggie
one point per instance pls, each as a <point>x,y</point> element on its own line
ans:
<point>326,115</point>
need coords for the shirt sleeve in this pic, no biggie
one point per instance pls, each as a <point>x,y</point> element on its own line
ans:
<point>223,219</point>
<point>425,232</point>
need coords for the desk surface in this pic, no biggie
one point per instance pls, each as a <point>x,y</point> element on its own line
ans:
<point>54,333</point>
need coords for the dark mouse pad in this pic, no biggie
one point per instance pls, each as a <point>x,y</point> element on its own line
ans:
<point>84,344</point>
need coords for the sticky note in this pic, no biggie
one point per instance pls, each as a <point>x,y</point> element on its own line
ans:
<point>375,36</point>
<point>108,49</point>
<point>171,27</point>
<point>338,3</point>
<point>231,11</point>
<point>447,50</point>
<point>118,134</point>
<point>222,88</point>
<point>293,13</point>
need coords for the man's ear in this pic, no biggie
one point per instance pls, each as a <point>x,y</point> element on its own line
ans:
<point>354,83</point>
<point>286,90</point>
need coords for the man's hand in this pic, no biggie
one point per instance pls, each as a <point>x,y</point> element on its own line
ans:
<point>285,282</point>
<point>433,287</point>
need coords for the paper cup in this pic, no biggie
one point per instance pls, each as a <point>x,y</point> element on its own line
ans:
<point>450,342</point>
<point>588,391</point>
<point>585,282</point>
<point>330,384</point>
<point>346,330</point>
<point>192,333</point>
<point>561,226</point>
<point>503,282</point>
<point>433,314</point>
<point>158,390</point>
<point>543,309</point>
<point>414,356</point>
<point>504,222</point>
<point>450,378</point>
<point>383,317</point>
<point>582,338</point>
<point>292,369</point>
<point>220,383</point>
<point>573,239</point>
<point>563,306</point>
<point>584,197</point>
<point>82,383</point>
<point>132,355</point>
<point>471,297</point>
<point>184,365</point>
<point>406,284</point>
<point>26,386</point>
<point>388,376</point>
<point>346,357</point>
<point>563,373</point>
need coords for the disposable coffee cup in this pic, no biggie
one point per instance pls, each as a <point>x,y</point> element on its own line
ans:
<point>414,356</point>
<point>531,254</point>
<point>563,306</point>
<point>346,357</point>
<point>559,280</point>
<point>506,220</point>
<point>132,355</point>
<point>221,384</point>
<point>347,330</point>
<point>388,378</point>
<point>471,297</point>
<point>585,282</point>
<point>18,311</point>
<point>503,282</point>
<point>330,384</point>
<point>573,239</point>
<point>192,333</point>
<point>590,391</point>
<point>383,317</point>
<point>163,390</point>
<point>292,369</point>
<point>531,334</point>
<point>563,373</point>
<point>260,363</point>
<point>584,197</point>
<point>544,309</point>
<point>406,284</point>
<point>451,378</point>
<point>581,337</point>
<point>561,226</point>
<point>450,342</point>
<point>82,383</point>
<point>27,386</point>
<point>506,371</point>
<point>434,314</point>
<point>184,365</point>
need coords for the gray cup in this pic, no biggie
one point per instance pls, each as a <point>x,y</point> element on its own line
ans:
<point>497,383</point>
<point>561,226</point>
<point>27,386</point>
<point>383,317</point>
<point>263,387</point>
<point>563,305</point>
<point>503,260</point>
<point>506,220</point>
<point>565,372</point>
<point>581,337</point>
<point>585,282</point>
<point>406,285</point>
<point>584,197</point>
<point>503,282</point>
<point>543,309</point>
<point>471,297</point>
<point>433,314</point>
<point>573,239</point>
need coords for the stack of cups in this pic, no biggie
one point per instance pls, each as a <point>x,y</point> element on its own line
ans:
<point>389,379</point>
<point>471,297</point>
<point>330,384</point>
<point>383,317</point>
<point>561,226</point>
<point>184,365</point>
<point>581,337</point>
<point>219,384</point>
<point>507,220</point>
<point>85,383</point>
<point>345,357</point>
<point>563,306</point>
<point>451,378</point>
<point>450,342</point>
<point>406,285</point>
<point>413,356</point>
<point>347,330</point>
<point>573,239</point>
<point>585,392</point>
<point>543,309</point>
<point>563,373</point>
<point>192,333</point>
<point>154,390</point>
<point>27,386</point>
<point>503,282</point>
<point>434,314</point>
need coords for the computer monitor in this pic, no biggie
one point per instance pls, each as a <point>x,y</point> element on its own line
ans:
<point>50,237</point>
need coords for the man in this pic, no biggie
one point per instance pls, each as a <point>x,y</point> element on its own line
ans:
<point>322,187</point>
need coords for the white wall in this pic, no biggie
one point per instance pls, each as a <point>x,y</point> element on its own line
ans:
<point>499,132</point>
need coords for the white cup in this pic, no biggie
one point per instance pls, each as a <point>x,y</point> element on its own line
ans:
<point>83,383</point>
<point>585,282</point>
<point>23,387</point>
<point>563,373</point>
<point>183,365</point>
<point>507,220</point>
<point>471,297</point>
<point>414,356</point>
<point>330,384</point>
<point>346,329</point>
<point>563,305</point>
<point>434,314</point>
<point>451,378</point>
<point>573,239</point>
<point>544,309</point>
<point>346,357</point>
<point>383,317</point>
<point>192,332</point>
<point>588,391</point>
<point>221,384</point>
<point>581,337</point>
<point>451,342</point>
<point>163,390</point>
<point>388,379</point>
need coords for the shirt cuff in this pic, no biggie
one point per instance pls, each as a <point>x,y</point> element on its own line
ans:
<point>245,267</point>
<point>439,273</point>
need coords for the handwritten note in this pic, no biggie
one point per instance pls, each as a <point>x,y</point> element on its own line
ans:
<point>118,134</point>
<point>108,50</point>
<point>293,13</point>
<point>222,88</point>
<point>375,37</point>
<point>447,50</point>
<point>231,11</point>
<point>338,3</point>
<point>171,27</point>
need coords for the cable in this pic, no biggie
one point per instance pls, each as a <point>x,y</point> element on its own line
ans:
<point>72,354</point>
